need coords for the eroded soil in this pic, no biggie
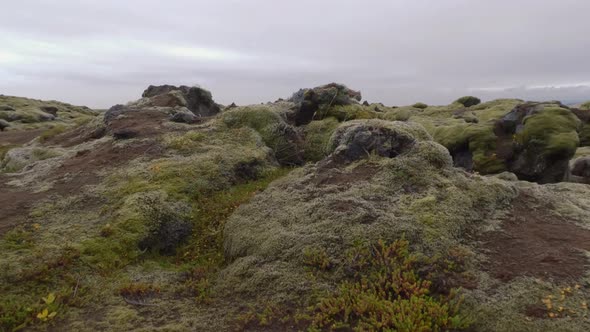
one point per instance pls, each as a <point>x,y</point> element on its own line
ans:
<point>535,242</point>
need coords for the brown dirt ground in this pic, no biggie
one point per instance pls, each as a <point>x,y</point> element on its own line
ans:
<point>339,177</point>
<point>19,136</point>
<point>69,179</point>
<point>81,170</point>
<point>534,242</point>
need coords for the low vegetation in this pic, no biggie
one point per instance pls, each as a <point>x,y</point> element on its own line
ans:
<point>316,213</point>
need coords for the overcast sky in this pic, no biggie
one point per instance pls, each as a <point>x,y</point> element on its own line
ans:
<point>99,53</point>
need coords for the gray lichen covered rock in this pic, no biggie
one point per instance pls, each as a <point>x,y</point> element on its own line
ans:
<point>358,139</point>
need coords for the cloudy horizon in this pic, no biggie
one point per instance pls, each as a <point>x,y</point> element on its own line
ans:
<point>396,52</point>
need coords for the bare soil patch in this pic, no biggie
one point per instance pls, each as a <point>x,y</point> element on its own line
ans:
<point>82,169</point>
<point>70,178</point>
<point>339,177</point>
<point>534,242</point>
<point>15,205</point>
<point>19,136</point>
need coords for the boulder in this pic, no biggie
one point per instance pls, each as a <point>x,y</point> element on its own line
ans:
<point>113,112</point>
<point>184,116</point>
<point>581,168</point>
<point>309,101</point>
<point>537,141</point>
<point>196,99</point>
<point>358,139</point>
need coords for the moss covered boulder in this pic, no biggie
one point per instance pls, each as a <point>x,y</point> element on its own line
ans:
<point>538,140</point>
<point>196,99</point>
<point>359,139</point>
<point>311,104</point>
<point>270,122</point>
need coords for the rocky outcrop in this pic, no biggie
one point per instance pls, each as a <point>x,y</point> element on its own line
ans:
<point>310,102</point>
<point>196,99</point>
<point>537,140</point>
<point>360,139</point>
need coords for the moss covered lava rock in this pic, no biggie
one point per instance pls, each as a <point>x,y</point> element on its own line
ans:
<point>311,104</point>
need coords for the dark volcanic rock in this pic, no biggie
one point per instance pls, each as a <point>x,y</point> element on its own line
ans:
<point>198,100</point>
<point>114,112</point>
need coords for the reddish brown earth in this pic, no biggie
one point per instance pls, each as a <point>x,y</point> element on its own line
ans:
<point>69,178</point>
<point>81,170</point>
<point>19,136</point>
<point>332,175</point>
<point>535,242</point>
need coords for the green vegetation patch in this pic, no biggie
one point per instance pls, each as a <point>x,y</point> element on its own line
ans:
<point>554,129</point>
<point>385,291</point>
<point>268,121</point>
<point>317,138</point>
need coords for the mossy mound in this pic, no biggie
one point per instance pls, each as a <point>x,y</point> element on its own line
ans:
<point>538,140</point>
<point>468,101</point>
<point>268,120</point>
<point>416,194</point>
<point>420,105</point>
<point>317,138</point>
<point>359,139</point>
<point>24,113</point>
<point>313,104</point>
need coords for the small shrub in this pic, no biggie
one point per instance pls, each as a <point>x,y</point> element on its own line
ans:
<point>42,154</point>
<point>316,258</point>
<point>384,292</point>
<point>420,106</point>
<point>387,294</point>
<point>51,132</point>
<point>468,101</point>
<point>138,290</point>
